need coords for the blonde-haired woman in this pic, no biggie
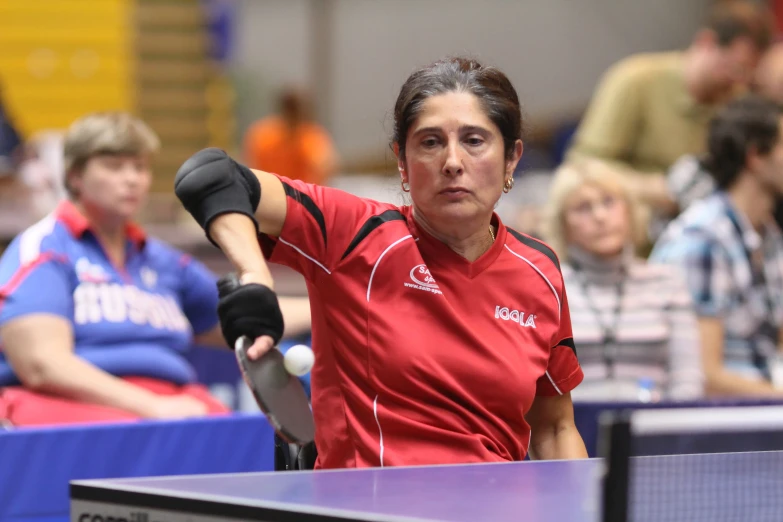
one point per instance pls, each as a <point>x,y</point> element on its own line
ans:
<point>634,327</point>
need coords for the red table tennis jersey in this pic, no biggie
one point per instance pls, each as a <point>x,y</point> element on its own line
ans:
<point>422,357</point>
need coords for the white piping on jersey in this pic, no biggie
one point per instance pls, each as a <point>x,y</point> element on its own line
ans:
<point>308,257</point>
<point>372,274</point>
<point>557,297</point>
<point>380,431</point>
<point>31,239</point>
<point>553,383</point>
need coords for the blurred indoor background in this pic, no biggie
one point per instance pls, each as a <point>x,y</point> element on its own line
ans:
<point>201,72</point>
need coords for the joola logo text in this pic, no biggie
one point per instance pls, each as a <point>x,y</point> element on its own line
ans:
<point>516,316</point>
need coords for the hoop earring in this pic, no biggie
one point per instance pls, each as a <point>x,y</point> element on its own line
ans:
<point>405,186</point>
<point>508,185</point>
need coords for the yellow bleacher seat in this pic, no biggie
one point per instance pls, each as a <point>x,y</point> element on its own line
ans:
<point>64,58</point>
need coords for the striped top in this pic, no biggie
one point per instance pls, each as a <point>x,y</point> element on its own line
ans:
<point>632,321</point>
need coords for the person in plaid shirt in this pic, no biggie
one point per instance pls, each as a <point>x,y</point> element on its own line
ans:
<point>731,249</point>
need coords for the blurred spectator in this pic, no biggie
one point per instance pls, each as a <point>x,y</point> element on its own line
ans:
<point>41,171</point>
<point>769,75</point>
<point>95,317</point>
<point>633,323</point>
<point>290,143</point>
<point>731,249</point>
<point>651,109</point>
<point>10,141</point>
<point>688,179</point>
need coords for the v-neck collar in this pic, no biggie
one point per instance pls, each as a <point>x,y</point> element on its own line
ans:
<point>437,253</point>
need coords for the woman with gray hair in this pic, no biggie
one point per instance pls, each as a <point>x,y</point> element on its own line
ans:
<point>633,323</point>
<point>96,316</point>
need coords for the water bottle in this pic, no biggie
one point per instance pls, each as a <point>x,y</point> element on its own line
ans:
<point>647,390</point>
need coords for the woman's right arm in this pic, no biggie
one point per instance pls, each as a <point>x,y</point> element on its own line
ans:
<point>233,204</point>
<point>39,348</point>
<point>236,236</point>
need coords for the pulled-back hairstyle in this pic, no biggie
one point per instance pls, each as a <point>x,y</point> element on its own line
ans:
<point>493,89</point>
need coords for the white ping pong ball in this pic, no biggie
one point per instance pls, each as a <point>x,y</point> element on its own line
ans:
<point>298,360</point>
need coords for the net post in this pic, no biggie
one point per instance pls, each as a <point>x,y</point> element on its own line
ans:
<point>615,450</point>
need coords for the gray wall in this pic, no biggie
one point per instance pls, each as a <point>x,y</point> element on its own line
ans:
<point>357,53</point>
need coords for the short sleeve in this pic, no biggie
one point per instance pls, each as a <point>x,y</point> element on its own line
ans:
<point>319,225</point>
<point>613,117</point>
<point>705,268</point>
<point>40,286</point>
<point>563,372</point>
<point>199,295</point>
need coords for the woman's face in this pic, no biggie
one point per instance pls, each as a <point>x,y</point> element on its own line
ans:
<point>597,221</point>
<point>114,185</point>
<point>455,161</point>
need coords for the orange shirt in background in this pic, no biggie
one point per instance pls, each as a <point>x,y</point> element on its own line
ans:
<point>305,153</point>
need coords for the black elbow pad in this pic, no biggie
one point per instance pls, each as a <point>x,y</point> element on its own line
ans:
<point>210,183</point>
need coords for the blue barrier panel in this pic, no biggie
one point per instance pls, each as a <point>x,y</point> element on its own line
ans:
<point>36,465</point>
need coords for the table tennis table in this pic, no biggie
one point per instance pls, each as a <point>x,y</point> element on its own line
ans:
<point>533,491</point>
<point>536,491</point>
<point>656,466</point>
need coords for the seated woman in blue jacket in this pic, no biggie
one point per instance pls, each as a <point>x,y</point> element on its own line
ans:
<point>96,317</point>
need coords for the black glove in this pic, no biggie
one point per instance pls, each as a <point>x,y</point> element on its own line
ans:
<point>251,310</point>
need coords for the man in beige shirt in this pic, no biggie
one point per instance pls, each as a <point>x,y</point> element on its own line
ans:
<point>651,109</point>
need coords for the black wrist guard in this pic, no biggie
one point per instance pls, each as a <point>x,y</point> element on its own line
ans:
<point>250,310</point>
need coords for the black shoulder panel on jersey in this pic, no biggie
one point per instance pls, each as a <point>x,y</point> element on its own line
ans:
<point>569,342</point>
<point>370,225</point>
<point>308,203</point>
<point>535,244</point>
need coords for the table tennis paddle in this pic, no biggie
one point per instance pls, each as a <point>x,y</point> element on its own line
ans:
<point>279,394</point>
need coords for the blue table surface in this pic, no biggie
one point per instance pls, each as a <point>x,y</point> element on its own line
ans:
<point>539,491</point>
<point>709,487</point>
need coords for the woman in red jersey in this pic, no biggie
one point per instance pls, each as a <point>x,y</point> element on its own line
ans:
<point>440,335</point>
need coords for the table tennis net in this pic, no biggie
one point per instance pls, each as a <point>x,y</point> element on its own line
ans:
<point>695,465</point>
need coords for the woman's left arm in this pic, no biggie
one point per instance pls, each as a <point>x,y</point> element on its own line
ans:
<point>553,432</point>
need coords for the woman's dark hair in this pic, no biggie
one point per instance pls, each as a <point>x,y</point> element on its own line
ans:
<point>749,123</point>
<point>493,89</point>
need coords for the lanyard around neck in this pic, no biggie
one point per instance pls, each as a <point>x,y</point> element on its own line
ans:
<point>609,330</point>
